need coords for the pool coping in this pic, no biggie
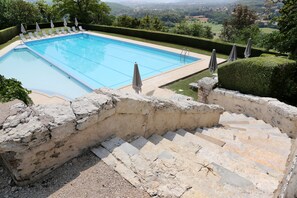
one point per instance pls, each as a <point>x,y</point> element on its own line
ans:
<point>152,83</point>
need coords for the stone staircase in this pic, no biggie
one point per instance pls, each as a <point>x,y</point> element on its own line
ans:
<point>242,157</point>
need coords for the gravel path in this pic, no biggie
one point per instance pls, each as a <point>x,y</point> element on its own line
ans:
<point>84,176</point>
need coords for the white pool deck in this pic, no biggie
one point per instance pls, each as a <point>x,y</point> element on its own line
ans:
<point>151,86</point>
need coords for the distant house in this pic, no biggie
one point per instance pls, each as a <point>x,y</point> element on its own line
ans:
<point>267,23</point>
<point>200,18</point>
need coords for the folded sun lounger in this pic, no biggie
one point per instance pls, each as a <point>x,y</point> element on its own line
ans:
<point>74,29</point>
<point>69,30</point>
<point>63,31</point>
<point>50,32</point>
<point>81,29</point>
<point>23,38</point>
<point>58,31</point>
<point>44,34</point>
<point>37,35</point>
<point>32,37</point>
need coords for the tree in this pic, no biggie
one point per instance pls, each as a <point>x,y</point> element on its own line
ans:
<point>208,33</point>
<point>87,11</point>
<point>240,26</point>
<point>287,23</point>
<point>156,24</point>
<point>285,40</point>
<point>193,29</point>
<point>242,17</point>
<point>228,32</point>
<point>45,10</point>
<point>3,9</point>
<point>145,22</point>
<point>14,12</point>
<point>124,21</point>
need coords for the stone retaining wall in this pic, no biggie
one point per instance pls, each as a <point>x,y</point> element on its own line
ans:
<point>35,140</point>
<point>270,110</point>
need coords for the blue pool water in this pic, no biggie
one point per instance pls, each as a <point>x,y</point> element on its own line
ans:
<point>37,74</point>
<point>105,62</point>
<point>94,61</point>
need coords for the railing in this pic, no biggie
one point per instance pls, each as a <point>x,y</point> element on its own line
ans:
<point>183,54</point>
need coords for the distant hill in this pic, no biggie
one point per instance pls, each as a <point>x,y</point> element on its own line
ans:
<point>119,9</point>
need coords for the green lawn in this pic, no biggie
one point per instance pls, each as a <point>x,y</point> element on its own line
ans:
<point>9,42</point>
<point>182,86</point>
<point>215,28</point>
<point>268,30</point>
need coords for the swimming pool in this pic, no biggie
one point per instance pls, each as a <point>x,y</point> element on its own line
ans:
<point>100,61</point>
<point>93,61</point>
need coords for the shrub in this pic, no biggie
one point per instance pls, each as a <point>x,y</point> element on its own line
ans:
<point>201,43</point>
<point>11,89</point>
<point>8,33</point>
<point>262,76</point>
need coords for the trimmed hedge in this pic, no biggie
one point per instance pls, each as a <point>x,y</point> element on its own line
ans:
<point>262,76</point>
<point>8,33</point>
<point>201,43</point>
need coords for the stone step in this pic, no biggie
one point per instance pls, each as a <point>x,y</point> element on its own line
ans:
<point>271,142</point>
<point>116,165</point>
<point>231,161</point>
<point>210,139</point>
<point>227,116</point>
<point>233,118</point>
<point>257,154</point>
<point>155,181</point>
<point>242,122</point>
<point>257,125</point>
<point>219,183</point>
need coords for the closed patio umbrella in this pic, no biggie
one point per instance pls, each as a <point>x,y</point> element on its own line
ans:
<point>52,24</point>
<point>247,51</point>
<point>65,23</point>
<point>137,83</point>
<point>213,62</point>
<point>23,30</point>
<point>233,54</point>
<point>75,22</point>
<point>37,27</point>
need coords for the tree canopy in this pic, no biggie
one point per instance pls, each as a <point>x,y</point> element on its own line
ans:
<point>285,40</point>
<point>13,12</point>
<point>287,23</point>
<point>87,11</point>
<point>240,26</point>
